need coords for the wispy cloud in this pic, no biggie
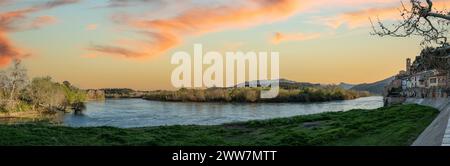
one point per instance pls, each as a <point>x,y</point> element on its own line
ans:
<point>130,3</point>
<point>91,27</point>
<point>360,18</point>
<point>279,37</point>
<point>18,20</point>
<point>164,34</point>
<point>7,50</point>
<point>56,3</point>
<point>41,21</point>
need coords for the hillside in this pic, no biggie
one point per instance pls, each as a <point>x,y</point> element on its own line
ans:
<point>283,83</point>
<point>346,86</point>
<point>374,88</point>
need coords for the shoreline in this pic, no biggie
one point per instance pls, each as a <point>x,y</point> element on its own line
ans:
<point>23,114</point>
<point>30,117</point>
<point>238,102</point>
<point>223,101</point>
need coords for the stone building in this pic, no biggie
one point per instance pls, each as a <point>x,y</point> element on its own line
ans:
<point>427,77</point>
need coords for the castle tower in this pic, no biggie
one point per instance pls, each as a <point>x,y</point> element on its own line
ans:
<point>408,65</point>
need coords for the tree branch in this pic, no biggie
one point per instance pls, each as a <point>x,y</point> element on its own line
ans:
<point>419,20</point>
<point>437,15</point>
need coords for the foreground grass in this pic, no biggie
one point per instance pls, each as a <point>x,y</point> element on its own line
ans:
<point>396,125</point>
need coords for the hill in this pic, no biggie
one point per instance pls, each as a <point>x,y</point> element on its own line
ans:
<point>374,88</point>
<point>346,86</point>
<point>283,83</point>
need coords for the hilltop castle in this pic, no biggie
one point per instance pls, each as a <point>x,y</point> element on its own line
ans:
<point>427,77</point>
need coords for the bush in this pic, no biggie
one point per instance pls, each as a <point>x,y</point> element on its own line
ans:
<point>45,94</point>
<point>75,97</point>
<point>42,94</point>
<point>217,94</point>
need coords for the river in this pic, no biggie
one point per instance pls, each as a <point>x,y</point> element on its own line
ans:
<point>126,113</point>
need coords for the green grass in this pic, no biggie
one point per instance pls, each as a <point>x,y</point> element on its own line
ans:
<point>396,125</point>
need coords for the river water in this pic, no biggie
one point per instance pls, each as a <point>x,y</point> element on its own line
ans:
<point>127,113</point>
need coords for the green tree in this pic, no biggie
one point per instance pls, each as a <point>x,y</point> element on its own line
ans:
<point>75,97</point>
<point>46,94</point>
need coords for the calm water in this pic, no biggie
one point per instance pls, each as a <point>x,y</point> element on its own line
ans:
<point>138,113</point>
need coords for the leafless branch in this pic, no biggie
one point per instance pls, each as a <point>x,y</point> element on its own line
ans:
<point>420,19</point>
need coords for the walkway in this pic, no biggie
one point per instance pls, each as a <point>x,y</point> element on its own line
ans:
<point>446,140</point>
<point>433,135</point>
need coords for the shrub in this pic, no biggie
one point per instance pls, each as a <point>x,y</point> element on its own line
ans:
<point>74,97</point>
<point>246,94</point>
<point>217,94</point>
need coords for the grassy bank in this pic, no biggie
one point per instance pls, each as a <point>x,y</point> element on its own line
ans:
<point>396,125</point>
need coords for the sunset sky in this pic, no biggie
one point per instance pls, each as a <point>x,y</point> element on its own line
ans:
<point>129,43</point>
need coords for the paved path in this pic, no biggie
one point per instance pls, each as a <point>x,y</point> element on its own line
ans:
<point>433,135</point>
<point>446,140</point>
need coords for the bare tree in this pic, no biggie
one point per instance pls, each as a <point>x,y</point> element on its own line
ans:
<point>419,19</point>
<point>12,81</point>
<point>18,78</point>
<point>3,87</point>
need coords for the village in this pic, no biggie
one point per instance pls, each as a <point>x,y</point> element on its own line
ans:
<point>427,77</point>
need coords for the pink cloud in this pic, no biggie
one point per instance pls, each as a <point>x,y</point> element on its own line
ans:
<point>91,27</point>
<point>360,18</point>
<point>279,37</point>
<point>42,21</point>
<point>17,20</point>
<point>164,34</point>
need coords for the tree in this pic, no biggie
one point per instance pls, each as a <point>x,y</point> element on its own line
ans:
<point>46,94</point>
<point>4,79</point>
<point>419,19</point>
<point>75,97</point>
<point>13,81</point>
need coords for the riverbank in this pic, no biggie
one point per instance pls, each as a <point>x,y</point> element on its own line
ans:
<point>396,125</point>
<point>30,117</point>
<point>24,114</point>
<point>252,95</point>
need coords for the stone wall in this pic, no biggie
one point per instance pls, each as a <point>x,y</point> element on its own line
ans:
<point>393,100</point>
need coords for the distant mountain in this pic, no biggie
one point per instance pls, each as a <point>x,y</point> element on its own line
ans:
<point>374,88</point>
<point>346,86</point>
<point>283,83</point>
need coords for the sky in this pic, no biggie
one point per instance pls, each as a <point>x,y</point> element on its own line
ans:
<point>129,43</point>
